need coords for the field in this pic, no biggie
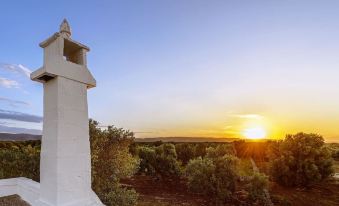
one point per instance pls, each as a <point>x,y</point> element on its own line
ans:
<point>159,192</point>
<point>154,191</point>
<point>325,194</point>
<point>183,174</point>
<point>174,192</point>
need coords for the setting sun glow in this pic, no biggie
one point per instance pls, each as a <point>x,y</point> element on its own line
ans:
<point>254,133</point>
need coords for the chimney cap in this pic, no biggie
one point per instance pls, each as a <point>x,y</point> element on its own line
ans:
<point>65,29</point>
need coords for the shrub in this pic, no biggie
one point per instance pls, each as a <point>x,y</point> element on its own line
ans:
<point>112,161</point>
<point>200,149</point>
<point>110,155</point>
<point>226,175</point>
<point>215,178</point>
<point>121,196</point>
<point>335,155</point>
<point>148,160</point>
<point>219,151</point>
<point>258,184</point>
<point>161,160</point>
<point>20,161</point>
<point>334,148</point>
<point>255,150</point>
<point>300,160</point>
<point>166,157</point>
<point>185,151</point>
<point>245,168</point>
<point>201,177</point>
<point>167,150</point>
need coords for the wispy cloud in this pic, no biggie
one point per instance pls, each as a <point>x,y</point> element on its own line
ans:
<point>6,129</point>
<point>14,103</point>
<point>6,123</point>
<point>228,127</point>
<point>247,116</point>
<point>16,68</point>
<point>12,115</point>
<point>8,83</point>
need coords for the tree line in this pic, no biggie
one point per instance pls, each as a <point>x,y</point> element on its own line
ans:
<point>213,170</point>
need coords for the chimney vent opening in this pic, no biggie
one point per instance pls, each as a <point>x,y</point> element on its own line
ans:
<point>73,52</point>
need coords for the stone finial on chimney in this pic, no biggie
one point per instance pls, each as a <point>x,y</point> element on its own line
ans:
<point>65,29</point>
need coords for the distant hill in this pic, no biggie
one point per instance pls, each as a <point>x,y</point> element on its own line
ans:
<point>25,137</point>
<point>185,139</point>
<point>18,137</point>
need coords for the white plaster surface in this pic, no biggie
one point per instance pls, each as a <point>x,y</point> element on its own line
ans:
<point>56,65</point>
<point>27,189</point>
<point>65,156</point>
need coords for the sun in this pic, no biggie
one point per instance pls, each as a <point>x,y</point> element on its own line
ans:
<point>254,133</point>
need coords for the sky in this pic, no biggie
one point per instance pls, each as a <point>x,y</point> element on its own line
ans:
<point>183,68</point>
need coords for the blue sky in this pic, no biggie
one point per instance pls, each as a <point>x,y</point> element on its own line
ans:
<point>184,68</point>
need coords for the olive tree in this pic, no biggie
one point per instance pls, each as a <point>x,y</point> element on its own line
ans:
<point>213,177</point>
<point>220,150</point>
<point>300,160</point>
<point>148,160</point>
<point>161,160</point>
<point>257,185</point>
<point>112,161</point>
<point>167,163</point>
<point>185,151</point>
